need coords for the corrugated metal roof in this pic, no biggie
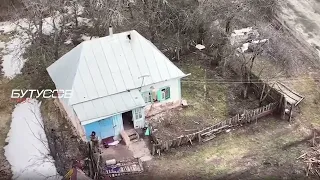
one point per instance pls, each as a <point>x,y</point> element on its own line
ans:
<point>110,65</point>
<point>102,71</point>
<point>100,108</point>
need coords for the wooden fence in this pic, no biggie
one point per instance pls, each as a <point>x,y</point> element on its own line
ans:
<point>210,132</point>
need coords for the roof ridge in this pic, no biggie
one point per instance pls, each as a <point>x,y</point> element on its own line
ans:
<point>77,69</point>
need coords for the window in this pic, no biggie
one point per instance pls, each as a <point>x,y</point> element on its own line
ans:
<point>137,113</point>
<point>165,93</point>
<point>147,96</point>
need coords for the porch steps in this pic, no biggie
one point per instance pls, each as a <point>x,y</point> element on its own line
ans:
<point>129,136</point>
<point>133,135</point>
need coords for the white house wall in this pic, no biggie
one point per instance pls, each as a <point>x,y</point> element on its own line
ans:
<point>175,89</point>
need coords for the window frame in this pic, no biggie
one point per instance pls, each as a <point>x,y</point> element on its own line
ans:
<point>165,93</point>
<point>138,113</point>
<point>147,94</point>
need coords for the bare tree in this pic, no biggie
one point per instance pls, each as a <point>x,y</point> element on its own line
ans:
<point>104,13</point>
<point>247,65</point>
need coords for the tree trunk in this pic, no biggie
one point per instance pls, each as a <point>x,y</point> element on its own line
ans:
<point>201,32</point>
<point>40,28</point>
<point>261,96</point>
<point>245,91</point>
<point>130,9</point>
<point>229,19</point>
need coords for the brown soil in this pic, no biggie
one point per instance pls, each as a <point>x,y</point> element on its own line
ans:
<point>6,108</point>
<point>257,151</point>
<point>64,145</point>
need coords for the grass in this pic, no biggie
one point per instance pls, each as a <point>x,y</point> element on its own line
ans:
<point>210,103</point>
<point>5,38</point>
<point>310,106</point>
<point>259,146</point>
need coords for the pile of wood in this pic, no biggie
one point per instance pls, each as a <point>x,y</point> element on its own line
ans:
<point>312,157</point>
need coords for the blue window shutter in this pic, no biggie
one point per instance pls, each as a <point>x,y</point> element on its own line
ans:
<point>159,95</point>
<point>168,93</point>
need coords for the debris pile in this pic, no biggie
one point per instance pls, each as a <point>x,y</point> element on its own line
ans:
<point>312,157</point>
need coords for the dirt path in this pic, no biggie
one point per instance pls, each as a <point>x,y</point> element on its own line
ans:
<point>304,17</point>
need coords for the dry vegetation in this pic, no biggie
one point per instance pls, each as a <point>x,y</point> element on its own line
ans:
<point>253,152</point>
<point>65,145</point>
<point>6,108</point>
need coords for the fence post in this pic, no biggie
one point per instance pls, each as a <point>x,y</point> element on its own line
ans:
<point>283,109</point>
<point>199,137</point>
<point>290,114</point>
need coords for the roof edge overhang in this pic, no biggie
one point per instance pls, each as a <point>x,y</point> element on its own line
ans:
<point>179,77</point>
<point>89,121</point>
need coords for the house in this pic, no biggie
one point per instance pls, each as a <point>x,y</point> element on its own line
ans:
<point>116,81</point>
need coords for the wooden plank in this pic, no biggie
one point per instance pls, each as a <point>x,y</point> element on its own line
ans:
<point>153,149</point>
<point>290,114</point>
<point>208,139</point>
<point>174,143</point>
<point>289,89</point>
<point>199,137</point>
<point>190,139</point>
<point>125,137</point>
<point>179,141</point>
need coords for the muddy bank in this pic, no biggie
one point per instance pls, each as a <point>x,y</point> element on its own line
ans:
<point>65,146</point>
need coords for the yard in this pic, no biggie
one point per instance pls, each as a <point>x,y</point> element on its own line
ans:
<point>266,150</point>
<point>209,100</point>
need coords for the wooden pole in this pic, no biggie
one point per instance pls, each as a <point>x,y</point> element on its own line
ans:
<point>199,137</point>
<point>205,84</point>
<point>261,96</point>
<point>153,149</point>
<point>290,115</point>
<point>283,108</point>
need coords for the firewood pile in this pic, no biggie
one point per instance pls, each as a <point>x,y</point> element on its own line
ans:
<point>312,157</point>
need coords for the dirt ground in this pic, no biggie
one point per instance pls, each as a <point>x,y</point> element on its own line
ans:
<point>266,150</point>
<point>64,145</point>
<point>6,107</point>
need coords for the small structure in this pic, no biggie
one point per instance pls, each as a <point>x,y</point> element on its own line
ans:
<point>246,38</point>
<point>116,81</point>
<point>239,36</point>
<point>290,99</point>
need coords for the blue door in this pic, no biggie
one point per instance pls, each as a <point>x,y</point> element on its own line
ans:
<point>103,128</point>
<point>106,128</point>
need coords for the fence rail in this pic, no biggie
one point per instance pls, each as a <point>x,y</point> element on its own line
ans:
<point>210,132</point>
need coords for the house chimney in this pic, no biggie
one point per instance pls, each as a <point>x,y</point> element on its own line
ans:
<point>110,31</point>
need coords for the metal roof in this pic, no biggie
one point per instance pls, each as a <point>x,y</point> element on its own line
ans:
<point>108,66</point>
<point>100,108</point>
